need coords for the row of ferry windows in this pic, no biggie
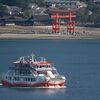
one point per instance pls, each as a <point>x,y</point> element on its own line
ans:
<point>27,66</point>
<point>43,66</point>
<point>23,72</point>
<point>47,66</point>
<point>20,78</point>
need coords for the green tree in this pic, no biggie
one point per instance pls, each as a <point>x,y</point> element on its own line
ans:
<point>95,8</point>
<point>27,13</point>
<point>82,15</point>
<point>2,8</point>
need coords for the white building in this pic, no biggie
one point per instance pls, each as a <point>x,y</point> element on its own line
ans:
<point>14,10</point>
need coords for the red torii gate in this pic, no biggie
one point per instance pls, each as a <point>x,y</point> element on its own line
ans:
<point>68,14</point>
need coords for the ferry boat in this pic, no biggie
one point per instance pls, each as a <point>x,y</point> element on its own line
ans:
<point>30,72</point>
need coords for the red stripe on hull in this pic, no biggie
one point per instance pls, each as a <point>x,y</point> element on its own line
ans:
<point>22,84</point>
<point>56,83</point>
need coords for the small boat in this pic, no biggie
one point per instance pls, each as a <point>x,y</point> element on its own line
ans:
<point>30,72</point>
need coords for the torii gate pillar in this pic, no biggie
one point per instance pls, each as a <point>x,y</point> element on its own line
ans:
<point>56,15</point>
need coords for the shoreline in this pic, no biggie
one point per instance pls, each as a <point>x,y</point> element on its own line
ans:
<point>44,32</point>
<point>45,36</point>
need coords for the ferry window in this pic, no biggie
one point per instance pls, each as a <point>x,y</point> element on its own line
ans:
<point>36,66</point>
<point>42,66</point>
<point>54,72</point>
<point>6,77</point>
<point>17,78</point>
<point>45,72</point>
<point>28,79</point>
<point>9,78</point>
<point>49,66</point>
<point>25,79</point>
<point>14,78</point>
<point>33,79</point>
<point>23,73</point>
<point>39,72</point>
<point>28,72</point>
<point>74,3</point>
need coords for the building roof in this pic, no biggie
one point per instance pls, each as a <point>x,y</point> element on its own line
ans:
<point>41,17</point>
<point>59,1</point>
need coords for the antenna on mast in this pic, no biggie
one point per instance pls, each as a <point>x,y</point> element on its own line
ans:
<point>33,57</point>
<point>23,59</point>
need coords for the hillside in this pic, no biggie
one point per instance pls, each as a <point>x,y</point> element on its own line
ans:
<point>89,14</point>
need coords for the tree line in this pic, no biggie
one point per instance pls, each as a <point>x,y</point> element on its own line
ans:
<point>89,14</point>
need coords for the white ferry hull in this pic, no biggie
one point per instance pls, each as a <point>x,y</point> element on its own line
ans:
<point>25,84</point>
<point>28,72</point>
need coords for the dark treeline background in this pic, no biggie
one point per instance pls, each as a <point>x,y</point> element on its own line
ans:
<point>89,14</point>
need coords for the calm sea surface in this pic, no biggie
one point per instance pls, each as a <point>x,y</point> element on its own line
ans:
<point>78,60</point>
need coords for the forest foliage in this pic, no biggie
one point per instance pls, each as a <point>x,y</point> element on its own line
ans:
<point>89,14</point>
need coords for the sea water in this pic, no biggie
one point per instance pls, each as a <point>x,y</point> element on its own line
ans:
<point>77,60</point>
